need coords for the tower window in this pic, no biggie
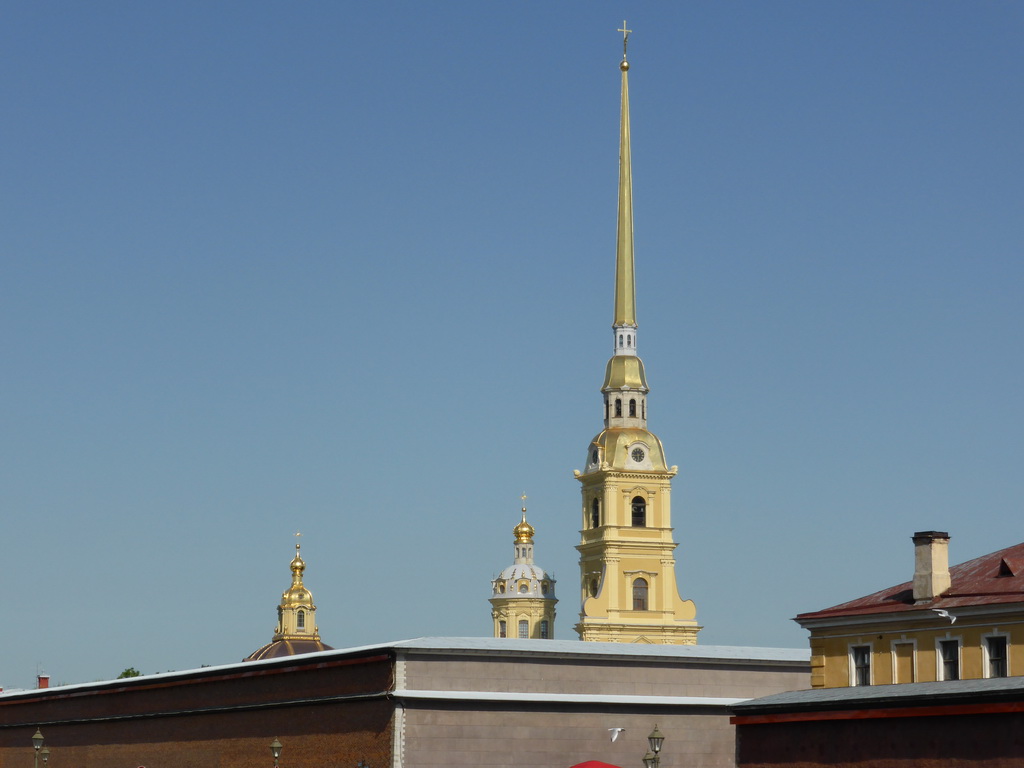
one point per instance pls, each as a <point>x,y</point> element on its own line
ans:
<point>502,632</point>
<point>618,406</point>
<point>524,629</point>
<point>595,514</point>
<point>639,508</point>
<point>544,629</point>
<point>643,408</point>
<point>300,621</point>
<point>620,341</point>
<point>629,340</point>
<point>632,408</point>
<point>640,594</point>
<point>524,587</point>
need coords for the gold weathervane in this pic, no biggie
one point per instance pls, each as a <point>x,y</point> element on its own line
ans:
<point>625,38</point>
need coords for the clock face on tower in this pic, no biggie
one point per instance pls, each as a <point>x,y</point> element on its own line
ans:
<point>638,455</point>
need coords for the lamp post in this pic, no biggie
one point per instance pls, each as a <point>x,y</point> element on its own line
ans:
<point>37,742</point>
<point>275,750</point>
<point>45,754</point>
<point>653,757</point>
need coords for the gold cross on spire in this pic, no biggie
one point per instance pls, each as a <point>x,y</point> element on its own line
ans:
<point>297,544</point>
<point>625,38</point>
<point>523,497</point>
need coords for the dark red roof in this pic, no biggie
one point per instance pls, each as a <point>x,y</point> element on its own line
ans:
<point>280,648</point>
<point>594,764</point>
<point>987,580</point>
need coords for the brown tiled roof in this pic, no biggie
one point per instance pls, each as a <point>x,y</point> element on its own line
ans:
<point>280,648</point>
<point>987,580</point>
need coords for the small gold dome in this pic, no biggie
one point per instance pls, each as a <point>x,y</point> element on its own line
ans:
<point>298,565</point>
<point>524,531</point>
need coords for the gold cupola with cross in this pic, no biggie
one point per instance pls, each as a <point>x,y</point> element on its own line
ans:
<point>296,630</point>
<point>627,562</point>
<point>523,595</point>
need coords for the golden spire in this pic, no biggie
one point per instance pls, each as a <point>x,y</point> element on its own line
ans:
<point>625,287</point>
<point>524,531</point>
<point>298,565</point>
<point>296,611</point>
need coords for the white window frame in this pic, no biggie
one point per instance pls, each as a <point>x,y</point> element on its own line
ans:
<point>853,667</point>
<point>913,656</point>
<point>940,666</point>
<point>985,661</point>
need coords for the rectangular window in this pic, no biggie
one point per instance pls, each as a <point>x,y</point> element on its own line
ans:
<point>860,658</point>
<point>524,629</point>
<point>995,648</point>
<point>949,659</point>
<point>544,629</point>
<point>501,629</point>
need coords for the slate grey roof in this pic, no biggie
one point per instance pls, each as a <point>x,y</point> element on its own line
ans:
<point>709,653</point>
<point>492,646</point>
<point>881,696</point>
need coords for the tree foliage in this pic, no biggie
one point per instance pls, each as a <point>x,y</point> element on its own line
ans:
<point>129,672</point>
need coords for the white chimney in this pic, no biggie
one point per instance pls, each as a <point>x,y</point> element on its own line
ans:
<point>931,565</point>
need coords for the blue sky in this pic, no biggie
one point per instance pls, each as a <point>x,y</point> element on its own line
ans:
<point>347,269</point>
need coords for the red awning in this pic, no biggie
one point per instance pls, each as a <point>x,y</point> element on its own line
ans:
<point>594,764</point>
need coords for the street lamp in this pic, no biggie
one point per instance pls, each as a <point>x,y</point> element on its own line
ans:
<point>45,754</point>
<point>655,740</point>
<point>37,742</point>
<point>653,757</point>
<point>275,750</point>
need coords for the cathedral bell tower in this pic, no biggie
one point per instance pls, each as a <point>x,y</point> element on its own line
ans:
<point>627,567</point>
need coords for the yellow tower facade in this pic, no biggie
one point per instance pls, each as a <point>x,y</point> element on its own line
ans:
<point>627,562</point>
<point>523,595</point>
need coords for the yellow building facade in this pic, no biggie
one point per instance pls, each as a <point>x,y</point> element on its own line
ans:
<point>523,595</point>
<point>627,563</point>
<point>964,622</point>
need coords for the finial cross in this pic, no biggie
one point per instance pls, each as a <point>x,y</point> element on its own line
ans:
<point>297,544</point>
<point>625,37</point>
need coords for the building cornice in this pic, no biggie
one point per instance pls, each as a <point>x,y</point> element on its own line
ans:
<point>600,699</point>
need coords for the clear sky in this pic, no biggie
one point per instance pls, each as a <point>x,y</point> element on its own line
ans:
<point>347,269</point>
